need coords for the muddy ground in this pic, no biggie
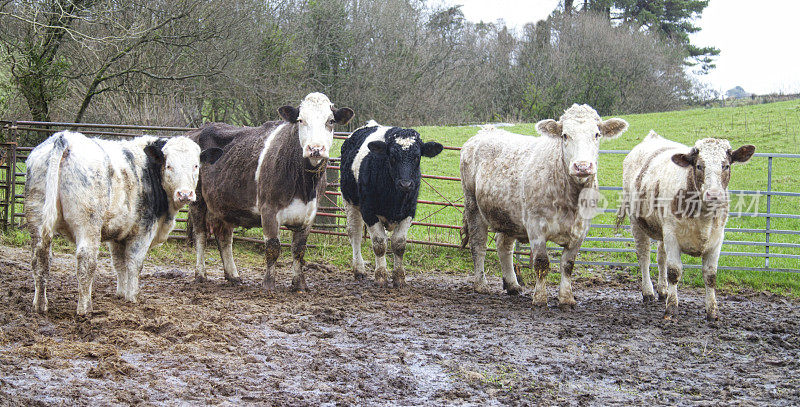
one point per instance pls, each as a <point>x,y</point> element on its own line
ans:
<point>346,343</point>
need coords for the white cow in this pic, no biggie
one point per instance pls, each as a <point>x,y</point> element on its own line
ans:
<point>125,193</point>
<point>678,196</point>
<point>527,188</point>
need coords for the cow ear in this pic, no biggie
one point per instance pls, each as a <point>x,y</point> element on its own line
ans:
<point>612,128</point>
<point>210,155</point>
<point>743,153</point>
<point>431,149</point>
<point>343,115</point>
<point>685,160</point>
<point>549,127</point>
<point>289,113</point>
<point>377,147</point>
<point>155,154</point>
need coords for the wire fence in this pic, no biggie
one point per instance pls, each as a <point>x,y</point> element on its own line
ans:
<point>761,235</point>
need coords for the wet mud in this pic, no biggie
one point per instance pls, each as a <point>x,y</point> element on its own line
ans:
<point>354,343</point>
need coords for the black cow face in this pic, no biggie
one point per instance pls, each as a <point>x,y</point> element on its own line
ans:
<point>403,149</point>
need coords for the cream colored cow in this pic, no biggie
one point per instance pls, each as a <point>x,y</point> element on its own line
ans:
<point>679,196</point>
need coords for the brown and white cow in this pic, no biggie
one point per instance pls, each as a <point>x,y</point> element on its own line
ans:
<point>528,189</point>
<point>125,193</point>
<point>269,176</point>
<point>679,196</point>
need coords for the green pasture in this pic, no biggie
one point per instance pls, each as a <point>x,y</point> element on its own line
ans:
<point>773,127</point>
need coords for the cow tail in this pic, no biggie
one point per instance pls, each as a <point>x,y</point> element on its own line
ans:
<point>464,230</point>
<point>50,206</point>
<point>622,212</point>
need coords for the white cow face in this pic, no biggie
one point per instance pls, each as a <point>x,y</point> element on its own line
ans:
<point>315,118</point>
<point>180,159</point>
<point>580,131</point>
<point>710,163</point>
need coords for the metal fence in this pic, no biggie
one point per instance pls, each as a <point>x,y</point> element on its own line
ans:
<point>438,220</point>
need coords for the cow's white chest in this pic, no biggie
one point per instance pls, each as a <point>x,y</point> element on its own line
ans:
<point>298,213</point>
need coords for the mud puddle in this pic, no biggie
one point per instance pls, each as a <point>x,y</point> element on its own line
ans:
<point>345,343</point>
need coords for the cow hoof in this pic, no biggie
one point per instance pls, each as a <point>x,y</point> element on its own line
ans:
<point>648,298</point>
<point>662,297</point>
<point>299,285</point>
<point>399,284</point>
<point>539,302</point>
<point>669,314</point>
<point>712,316</point>
<point>566,306</point>
<point>234,280</point>
<point>514,290</point>
<point>200,279</point>
<point>359,276</point>
<point>40,308</point>
<point>268,285</point>
<point>481,287</point>
<point>381,282</point>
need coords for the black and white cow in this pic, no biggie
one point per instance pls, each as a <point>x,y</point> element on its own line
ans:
<point>125,193</point>
<point>270,176</point>
<point>380,180</point>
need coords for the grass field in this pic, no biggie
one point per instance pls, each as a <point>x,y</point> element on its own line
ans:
<point>773,127</point>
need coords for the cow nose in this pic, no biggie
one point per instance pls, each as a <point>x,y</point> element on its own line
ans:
<point>316,151</point>
<point>583,168</point>
<point>185,196</point>
<point>714,195</point>
<point>406,184</point>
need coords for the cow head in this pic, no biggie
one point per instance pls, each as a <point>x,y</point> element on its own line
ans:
<point>403,149</point>
<point>315,118</point>
<point>580,130</point>
<point>179,159</point>
<point>710,163</point>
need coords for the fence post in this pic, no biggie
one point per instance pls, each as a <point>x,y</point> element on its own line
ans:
<point>769,210</point>
<point>332,178</point>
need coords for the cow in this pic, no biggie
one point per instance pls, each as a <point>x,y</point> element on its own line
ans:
<point>125,193</point>
<point>380,181</point>
<point>678,196</point>
<point>269,176</point>
<point>528,189</point>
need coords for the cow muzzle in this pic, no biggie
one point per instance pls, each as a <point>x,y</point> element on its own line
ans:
<point>715,195</point>
<point>185,196</point>
<point>315,151</point>
<point>582,169</point>
<point>405,185</point>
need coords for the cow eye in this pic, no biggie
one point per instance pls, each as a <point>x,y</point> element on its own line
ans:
<point>564,136</point>
<point>726,166</point>
<point>169,167</point>
<point>332,121</point>
<point>597,135</point>
<point>699,167</point>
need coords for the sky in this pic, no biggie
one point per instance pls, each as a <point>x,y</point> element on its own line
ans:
<point>760,44</point>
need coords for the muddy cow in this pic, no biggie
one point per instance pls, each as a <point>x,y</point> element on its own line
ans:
<point>678,196</point>
<point>528,189</point>
<point>125,193</point>
<point>269,176</point>
<point>380,181</point>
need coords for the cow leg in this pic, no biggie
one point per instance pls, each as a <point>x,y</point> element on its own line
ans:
<point>398,249</point>
<point>200,253</point>
<point>355,226</point>
<point>272,247</point>
<point>674,272</point>
<point>225,244</point>
<point>710,278</point>
<point>299,239</point>
<point>661,259</point>
<point>40,265</point>
<point>541,267</point>
<point>565,298</point>
<point>642,242</point>
<point>86,256</point>
<point>477,233</point>
<point>378,235</point>
<point>120,263</point>
<point>136,255</point>
<point>505,249</point>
